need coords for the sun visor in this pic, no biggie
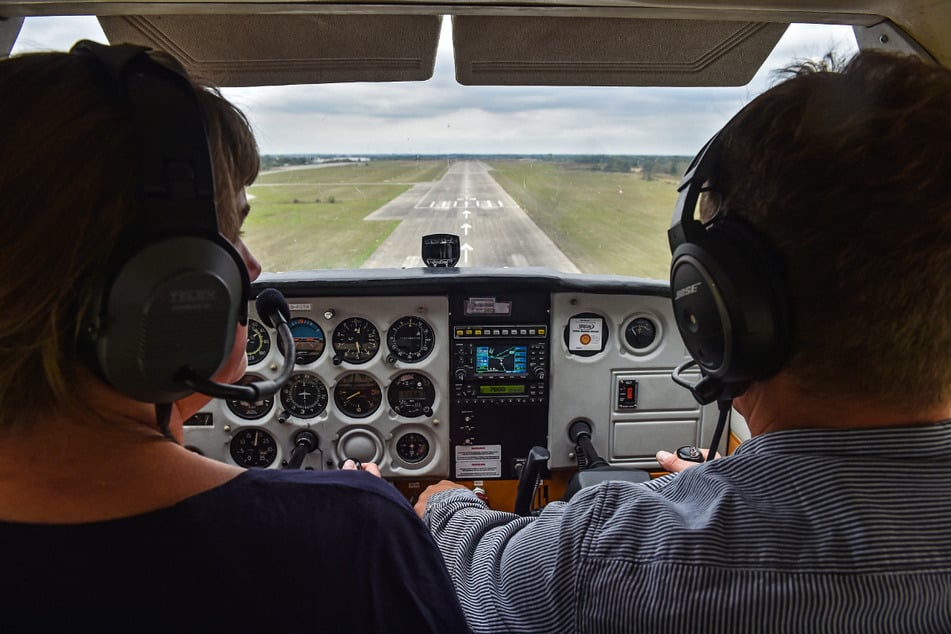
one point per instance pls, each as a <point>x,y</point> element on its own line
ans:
<point>557,51</point>
<point>271,49</point>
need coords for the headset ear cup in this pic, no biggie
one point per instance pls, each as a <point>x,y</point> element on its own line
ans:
<point>700,310</point>
<point>730,302</point>
<point>172,304</point>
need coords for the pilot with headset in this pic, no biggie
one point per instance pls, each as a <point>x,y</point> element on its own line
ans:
<point>125,286</point>
<point>814,289</point>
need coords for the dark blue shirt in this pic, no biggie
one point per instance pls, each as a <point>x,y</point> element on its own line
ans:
<point>270,550</point>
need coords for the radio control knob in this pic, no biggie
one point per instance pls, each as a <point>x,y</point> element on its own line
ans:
<point>539,373</point>
<point>460,375</point>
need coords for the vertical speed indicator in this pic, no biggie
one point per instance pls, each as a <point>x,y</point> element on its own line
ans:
<point>410,339</point>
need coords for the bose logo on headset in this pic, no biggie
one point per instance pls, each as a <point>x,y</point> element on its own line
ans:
<point>687,290</point>
<point>730,303</point>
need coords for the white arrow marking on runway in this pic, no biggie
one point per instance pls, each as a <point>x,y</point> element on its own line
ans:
<point>466,213</point>
<point>465,251</point>
<point>465,227</point>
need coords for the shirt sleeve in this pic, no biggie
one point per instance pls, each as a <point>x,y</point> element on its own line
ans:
<point>513,573</point>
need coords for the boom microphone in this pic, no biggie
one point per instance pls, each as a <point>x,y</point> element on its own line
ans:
<point>272,307</point>
<point>707,390</point>
<point>275,313</point>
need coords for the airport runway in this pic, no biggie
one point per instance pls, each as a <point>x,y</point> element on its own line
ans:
<point>493,229</point>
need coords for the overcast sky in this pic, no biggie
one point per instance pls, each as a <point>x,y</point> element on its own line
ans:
<point>441,116</point>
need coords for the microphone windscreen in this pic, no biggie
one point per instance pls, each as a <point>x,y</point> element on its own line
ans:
<point>269,303</point>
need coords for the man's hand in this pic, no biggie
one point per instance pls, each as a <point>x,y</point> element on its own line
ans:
<point>444,485</point>
<point>670,462</point>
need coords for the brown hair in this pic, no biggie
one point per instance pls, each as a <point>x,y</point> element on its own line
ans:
<point>66,190</point>
<point>848,174</point>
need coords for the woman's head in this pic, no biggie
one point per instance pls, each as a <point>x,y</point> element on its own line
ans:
<point>67,188</point>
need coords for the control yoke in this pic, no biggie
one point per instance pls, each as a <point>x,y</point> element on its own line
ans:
<point>529,478</point>
<point>592,468</point>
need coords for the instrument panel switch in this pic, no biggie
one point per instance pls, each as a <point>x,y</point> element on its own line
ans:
<point>626,394</point>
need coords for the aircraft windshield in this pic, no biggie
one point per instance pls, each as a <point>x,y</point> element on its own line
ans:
<point>580,179</point>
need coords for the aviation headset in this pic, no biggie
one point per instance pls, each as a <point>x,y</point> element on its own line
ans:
<point>175,288</point>
<point>728,290</point>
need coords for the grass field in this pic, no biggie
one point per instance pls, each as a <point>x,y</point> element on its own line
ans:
<point>312,218</point>
<point>605,222</point>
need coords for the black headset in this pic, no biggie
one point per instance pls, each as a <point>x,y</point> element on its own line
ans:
<point>729,292</point>
<point>176,288</point>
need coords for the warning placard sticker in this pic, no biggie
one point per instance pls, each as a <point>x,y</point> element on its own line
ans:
<point>478,461</point>
<point>585,334</point>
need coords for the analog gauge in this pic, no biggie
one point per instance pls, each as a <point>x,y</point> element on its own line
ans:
<point>253,448</point>
<point>357,394</point>
<point>640,333</point>
<point>308,340</point>
<point>246,409</point>
<point>412,447</point>
<point>410,339</point>
<point>304,395</point>
<point>411,394</point>
<point>356,340</point>
<point>259,342</point>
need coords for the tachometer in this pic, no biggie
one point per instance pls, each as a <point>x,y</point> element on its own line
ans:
<point>356,340</point>
<point>308,340</point>
<point>259,342</point>
<point>411,394</point>
<point>410,339</point>
<point>357,394</point>
<point>304,395</point>
<point>253,448</point>
<point>246,409</point>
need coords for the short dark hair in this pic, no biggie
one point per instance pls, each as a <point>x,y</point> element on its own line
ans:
<point>848,173</point>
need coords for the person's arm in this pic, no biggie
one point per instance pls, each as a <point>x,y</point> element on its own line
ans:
<point>511,573</point>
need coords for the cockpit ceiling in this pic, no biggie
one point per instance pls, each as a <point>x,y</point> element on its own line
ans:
<point>532,42</point>
<point>243,50</point>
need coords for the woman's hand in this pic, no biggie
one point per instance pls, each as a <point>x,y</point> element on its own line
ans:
<point>369,467</point>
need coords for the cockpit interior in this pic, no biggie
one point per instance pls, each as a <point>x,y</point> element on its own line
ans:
<point>470,340</point>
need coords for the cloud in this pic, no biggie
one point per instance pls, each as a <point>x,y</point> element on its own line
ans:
<point>56,33</point>
<point>442,116</point>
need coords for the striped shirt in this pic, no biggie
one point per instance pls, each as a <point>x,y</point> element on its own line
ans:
<point>798,531</point>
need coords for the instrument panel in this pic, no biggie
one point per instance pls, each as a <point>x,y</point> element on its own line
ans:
<point>365,381</point>
<point>458,375</point>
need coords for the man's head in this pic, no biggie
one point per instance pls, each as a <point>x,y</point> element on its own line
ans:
<point>846,173</point>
